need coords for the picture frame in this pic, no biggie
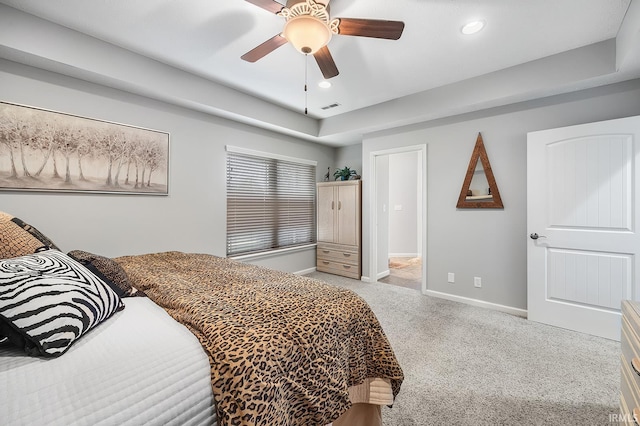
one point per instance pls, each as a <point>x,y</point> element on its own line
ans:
<point>45,150</point>
<point>479,167</point>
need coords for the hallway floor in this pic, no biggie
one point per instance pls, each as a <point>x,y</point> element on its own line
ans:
<point>404,272</point>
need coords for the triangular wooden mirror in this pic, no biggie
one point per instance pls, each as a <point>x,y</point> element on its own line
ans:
<point>479,190</point>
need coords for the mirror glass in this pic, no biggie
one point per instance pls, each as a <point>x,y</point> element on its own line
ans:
<point>479,189</point>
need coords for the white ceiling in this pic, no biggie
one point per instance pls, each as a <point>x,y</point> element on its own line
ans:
<point>207,38</point>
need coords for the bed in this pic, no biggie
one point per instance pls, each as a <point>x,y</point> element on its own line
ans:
<point>211,341</point>
<point>121,373</point>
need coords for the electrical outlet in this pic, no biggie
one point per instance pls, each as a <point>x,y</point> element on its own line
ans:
<point>452,277</point>
<point>477,282</point>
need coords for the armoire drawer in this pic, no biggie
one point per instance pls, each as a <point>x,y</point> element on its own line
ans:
<point>630,362</point>
<point>630,345</point>
<point>338,268</point>
<point>338,255</point>
<point>629,393</point>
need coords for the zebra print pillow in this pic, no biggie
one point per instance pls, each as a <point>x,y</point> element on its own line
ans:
<point>48,301</point>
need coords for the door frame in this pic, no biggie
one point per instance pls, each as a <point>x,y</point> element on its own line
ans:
<point>373,228</point>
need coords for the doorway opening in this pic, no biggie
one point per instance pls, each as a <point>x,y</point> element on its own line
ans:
<point>398,222</point>
<point>404,271</point>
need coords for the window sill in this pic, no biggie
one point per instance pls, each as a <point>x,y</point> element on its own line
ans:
<point>266,254</point>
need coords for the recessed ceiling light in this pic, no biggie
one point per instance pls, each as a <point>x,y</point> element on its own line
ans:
<point>324,84</point>
<point>472,27</point>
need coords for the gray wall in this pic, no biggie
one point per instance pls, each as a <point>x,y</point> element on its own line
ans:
<point>486,243</point>
<point>192,218</point>
<point>351,156</point>
<point>491,244</point>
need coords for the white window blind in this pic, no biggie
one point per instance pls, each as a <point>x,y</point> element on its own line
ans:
<point>270,202</point>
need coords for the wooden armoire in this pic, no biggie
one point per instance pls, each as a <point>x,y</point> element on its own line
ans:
<point>339,228</point>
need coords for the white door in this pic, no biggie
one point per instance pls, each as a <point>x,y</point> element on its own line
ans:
<point>582,219</point>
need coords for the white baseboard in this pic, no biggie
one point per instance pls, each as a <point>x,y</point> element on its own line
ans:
<point>479,303</point>
<point>306,271</point>
<point>380,275</point>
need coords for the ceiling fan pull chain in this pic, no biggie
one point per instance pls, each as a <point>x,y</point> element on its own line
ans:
<point>306,66</point>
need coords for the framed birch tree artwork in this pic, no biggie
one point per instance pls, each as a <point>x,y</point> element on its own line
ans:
<point>42,150</point>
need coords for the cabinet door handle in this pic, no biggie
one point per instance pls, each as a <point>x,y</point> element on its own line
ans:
<point>325,262</point>
<point>346,254</point>
<point>339,205</point>
<point>346,266</point>
<point>635,365</point>
<point>332,205</point>
<point>326,251</point>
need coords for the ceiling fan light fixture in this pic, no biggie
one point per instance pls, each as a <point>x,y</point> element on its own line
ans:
<point>324,84</point>
<point>307,33</point>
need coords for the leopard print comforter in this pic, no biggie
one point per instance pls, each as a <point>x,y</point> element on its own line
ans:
<point>284,349</point>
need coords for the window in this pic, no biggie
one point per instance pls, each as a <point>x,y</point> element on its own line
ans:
<point>270,202</point>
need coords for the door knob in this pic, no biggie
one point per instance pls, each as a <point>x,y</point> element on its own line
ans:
<point>535,236</point>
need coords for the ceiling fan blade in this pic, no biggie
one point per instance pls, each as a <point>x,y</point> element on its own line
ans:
<point>264,49</point>
<point>326,63</point>
<point>270,5</point>
<point>376,28</point>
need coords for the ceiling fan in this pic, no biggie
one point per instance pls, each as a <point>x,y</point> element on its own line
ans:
<point>308,28</point>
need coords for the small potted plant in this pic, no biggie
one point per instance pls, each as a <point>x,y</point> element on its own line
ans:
<point>344,174</point>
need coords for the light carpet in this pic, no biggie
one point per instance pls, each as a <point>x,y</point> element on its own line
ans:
<point>466,365</point>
